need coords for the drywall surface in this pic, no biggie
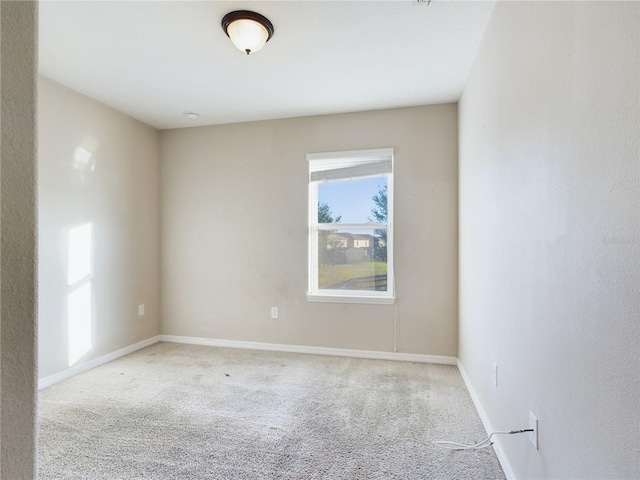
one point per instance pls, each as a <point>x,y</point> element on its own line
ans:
<point>235,230</point>
<point>550,234</point>
<point>99,227</point>
<point>18,386</point>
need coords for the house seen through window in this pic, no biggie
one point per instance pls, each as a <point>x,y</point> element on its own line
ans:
<point>350,226</point>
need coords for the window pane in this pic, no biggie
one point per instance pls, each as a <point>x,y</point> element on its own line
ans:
<point>352,201</point>
<point>352,260</point>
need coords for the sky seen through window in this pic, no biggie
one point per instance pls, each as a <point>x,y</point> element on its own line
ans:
<point>352,199</point>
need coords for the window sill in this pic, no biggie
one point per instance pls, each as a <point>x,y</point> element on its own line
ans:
<point>315,297</point>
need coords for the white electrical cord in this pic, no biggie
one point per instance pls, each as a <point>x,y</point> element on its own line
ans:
<point>482,444</point>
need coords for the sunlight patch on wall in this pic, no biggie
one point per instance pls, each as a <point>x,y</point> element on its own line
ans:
<point>83,157</point>
<point>79,254</point>
<point>79,304</point>
<point>79,322</point>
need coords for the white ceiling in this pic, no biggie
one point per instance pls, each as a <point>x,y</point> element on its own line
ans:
<point>157,60</point>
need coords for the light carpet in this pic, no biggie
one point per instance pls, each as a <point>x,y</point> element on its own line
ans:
<point>174,411</point>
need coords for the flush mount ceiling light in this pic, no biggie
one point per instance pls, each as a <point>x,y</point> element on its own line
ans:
<point>248,31</point>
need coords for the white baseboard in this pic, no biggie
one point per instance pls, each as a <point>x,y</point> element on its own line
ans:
<point>497,446</point>
<point>338,352</point>
<point>94,362</point>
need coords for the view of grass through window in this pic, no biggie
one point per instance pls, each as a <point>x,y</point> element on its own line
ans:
<point>353,258</point>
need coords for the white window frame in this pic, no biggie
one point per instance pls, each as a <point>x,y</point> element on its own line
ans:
<point>330,163</point>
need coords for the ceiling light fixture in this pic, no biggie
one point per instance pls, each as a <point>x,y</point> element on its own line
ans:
<point>248,31</point>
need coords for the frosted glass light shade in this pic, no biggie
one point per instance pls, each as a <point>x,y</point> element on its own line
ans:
<point>248,31</point>
<point>248,35</point>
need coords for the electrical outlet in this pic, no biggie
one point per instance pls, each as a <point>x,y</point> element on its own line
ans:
<point>533,423</point>
<point>141,310</point>
<point>274,312</point>
<point>495,374</point>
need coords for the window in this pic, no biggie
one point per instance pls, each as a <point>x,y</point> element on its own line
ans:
<point>351,226</point>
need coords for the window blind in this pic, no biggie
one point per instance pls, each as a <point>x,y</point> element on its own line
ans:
<point>326,167</point>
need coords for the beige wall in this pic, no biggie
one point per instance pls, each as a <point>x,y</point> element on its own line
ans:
<point>18,51</point>
<point>550,234</point>
<point>234,229</point>
<point>100,167</point>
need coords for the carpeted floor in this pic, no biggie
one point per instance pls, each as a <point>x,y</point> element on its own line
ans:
<point>175,411</point>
